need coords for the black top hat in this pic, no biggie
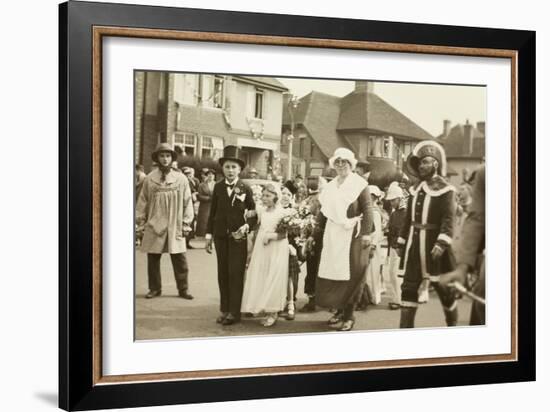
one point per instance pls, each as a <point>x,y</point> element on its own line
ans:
<point>231,153</point>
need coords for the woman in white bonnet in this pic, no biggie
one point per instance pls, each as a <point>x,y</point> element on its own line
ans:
<point>345,224</point>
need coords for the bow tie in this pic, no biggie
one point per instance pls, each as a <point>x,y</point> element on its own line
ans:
<point>230,186</point>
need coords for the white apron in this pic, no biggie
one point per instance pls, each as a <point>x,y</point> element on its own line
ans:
<point>335,263</point>
<point>335,256</point>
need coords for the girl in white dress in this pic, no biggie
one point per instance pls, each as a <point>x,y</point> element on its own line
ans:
<point>265,287</point>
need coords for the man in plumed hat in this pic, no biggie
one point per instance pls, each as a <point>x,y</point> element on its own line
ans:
<point>164,212</point>
<point>228,224</point>
<point>427,233</point>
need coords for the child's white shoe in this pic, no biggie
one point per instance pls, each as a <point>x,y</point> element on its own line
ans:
<point>270,321</point>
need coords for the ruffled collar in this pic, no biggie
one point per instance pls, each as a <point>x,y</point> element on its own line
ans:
<point>436,186</point>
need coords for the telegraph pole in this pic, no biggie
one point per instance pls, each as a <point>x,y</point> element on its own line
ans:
<point>292,105</point>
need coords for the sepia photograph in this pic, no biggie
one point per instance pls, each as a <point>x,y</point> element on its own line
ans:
<point>278,205</point>
<point>257,206</point>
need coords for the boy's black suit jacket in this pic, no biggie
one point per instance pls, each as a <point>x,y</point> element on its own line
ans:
<point>227,212</point>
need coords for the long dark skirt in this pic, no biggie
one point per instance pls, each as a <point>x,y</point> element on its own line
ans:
<point>202,218</point>
<point>337,294</point>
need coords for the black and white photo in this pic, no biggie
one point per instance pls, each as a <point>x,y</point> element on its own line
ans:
<point>296,205</point>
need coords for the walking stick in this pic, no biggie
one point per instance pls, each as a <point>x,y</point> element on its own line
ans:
<point>458,286</point>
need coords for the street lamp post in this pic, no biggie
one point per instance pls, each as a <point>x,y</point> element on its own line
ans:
<point>292,105</point>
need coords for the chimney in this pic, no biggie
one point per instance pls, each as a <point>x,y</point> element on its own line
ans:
<point>481,127</point>
<point>364,86</point>
<point>286,100</point>
<point>446,128</point>
<point>468,142</point>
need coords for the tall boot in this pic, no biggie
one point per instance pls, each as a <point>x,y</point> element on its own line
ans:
<point>407,317</point>
<point>451,316</point>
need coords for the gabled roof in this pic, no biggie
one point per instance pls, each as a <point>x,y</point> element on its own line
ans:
<point>454,143</point>
<point>324,115</point>
<point>272,82</point>
<point>318,113</point>
<point>365,110</point>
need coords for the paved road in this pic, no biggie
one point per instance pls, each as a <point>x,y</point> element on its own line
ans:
<point>171,317</point>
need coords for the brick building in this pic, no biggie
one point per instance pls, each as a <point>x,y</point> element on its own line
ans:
<point>202,113</point>
<point>360,121</point>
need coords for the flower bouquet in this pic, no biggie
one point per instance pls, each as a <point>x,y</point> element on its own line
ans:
<point>291,224</point>
<point>300,224</point>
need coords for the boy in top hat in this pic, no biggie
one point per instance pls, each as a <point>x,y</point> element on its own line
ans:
<point>164,212</point>
<point>228,224</point>
<point>427,234</point>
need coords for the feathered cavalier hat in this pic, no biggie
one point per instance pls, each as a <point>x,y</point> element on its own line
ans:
<point>425,149</point>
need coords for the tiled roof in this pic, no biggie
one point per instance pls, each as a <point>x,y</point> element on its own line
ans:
<point>454,143</point>
<point>207,121</point>
<point>269,81</point>
<point>323,115</point>
<point>318,113</point>
<point>362,110</point>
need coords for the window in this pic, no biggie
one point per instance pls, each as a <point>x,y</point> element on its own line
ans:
<point>212,147</point>
<point>407,149</point>
<point>245,157</point>
<point>218,92</point>
<point>302,147</point>
<point>387,149</point>
<point>207,149</point>
<point>187,142</point>
<point>259,103</point>
<point>375,146</point>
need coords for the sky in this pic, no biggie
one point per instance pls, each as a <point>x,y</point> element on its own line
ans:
<point>425,104</point>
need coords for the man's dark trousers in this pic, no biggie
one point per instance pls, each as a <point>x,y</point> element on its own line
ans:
<point>181,271</point>
<point>231,257</point>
